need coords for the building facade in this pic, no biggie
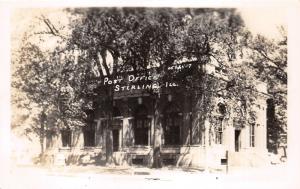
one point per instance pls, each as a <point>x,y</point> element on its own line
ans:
<point>142,123</point>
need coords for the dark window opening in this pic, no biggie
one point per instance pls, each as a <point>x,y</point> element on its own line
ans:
<point>115,133</point>
<point>171,125</point>
<point>169,161</point>
<point>66,137</point>
<point>141,131</point>
<point>141,126</point>
<point>138,161</point>
<point>171,129</point>
<point>237,142</point>
<point>89,135</point>
<point>116,112</point>
<point>223,161</point>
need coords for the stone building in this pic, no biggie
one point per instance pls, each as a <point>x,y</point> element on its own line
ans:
<point>181,140</point>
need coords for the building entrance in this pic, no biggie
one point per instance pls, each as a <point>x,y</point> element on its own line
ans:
<point>237,140</point>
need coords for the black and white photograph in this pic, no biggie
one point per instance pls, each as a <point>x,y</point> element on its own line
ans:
<point>143,97</point>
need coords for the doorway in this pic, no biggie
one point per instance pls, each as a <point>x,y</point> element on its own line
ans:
<point>115,133</point>
<point>237,140</point>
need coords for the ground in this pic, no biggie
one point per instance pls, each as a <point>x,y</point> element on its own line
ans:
<point>81,177</point>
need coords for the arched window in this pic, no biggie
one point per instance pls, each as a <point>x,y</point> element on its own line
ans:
<point>141,126</point>
<point>171,124</point>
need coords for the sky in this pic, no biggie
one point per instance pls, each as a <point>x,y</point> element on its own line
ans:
<point>264,21</point>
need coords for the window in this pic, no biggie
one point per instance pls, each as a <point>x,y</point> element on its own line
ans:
<point>252,135</point>
<point>171,125</point>
<point>237,139</point>
<point>66,137</point>
<point>219,131</point>
<point>116,112</point>
<point>141,126</point>
<point>89,135</point>
<point>115,135</point>
<point>219,124</point>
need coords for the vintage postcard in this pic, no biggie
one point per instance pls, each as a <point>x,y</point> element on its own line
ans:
<point>163,95</point>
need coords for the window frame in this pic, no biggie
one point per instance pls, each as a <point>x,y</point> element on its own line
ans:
<point>219,131</point>
<point>171,116</point>
<point>141,116</point>
<point>89,130</point>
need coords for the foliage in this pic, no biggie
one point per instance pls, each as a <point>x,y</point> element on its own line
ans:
<point>269,60</point>
<point>50,83</point>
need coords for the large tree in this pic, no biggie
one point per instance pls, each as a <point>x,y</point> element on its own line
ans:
<point>268,57</point>
<point>48,81</point>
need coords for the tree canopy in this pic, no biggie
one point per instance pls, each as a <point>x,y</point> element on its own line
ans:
<point>268,57</point>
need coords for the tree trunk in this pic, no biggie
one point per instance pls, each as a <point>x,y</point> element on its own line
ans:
<point>109,137</point>
<point>109,142</point>
<point>109,146</point>
<point>42,145</point>
<point>42,134</point>
<point>156,140</point>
